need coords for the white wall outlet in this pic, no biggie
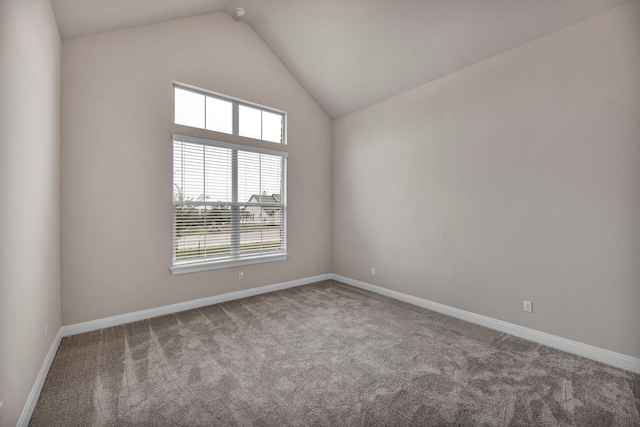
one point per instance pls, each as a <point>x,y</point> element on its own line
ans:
<point>241,275</point>
<point>373,271</point>
<point>46,329</point>
<point>527,306</point>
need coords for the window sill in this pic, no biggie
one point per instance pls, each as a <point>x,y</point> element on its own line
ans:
<point>227,263</point>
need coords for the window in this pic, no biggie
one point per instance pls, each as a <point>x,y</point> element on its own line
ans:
<point>229,199</point>
<point>204,110</point>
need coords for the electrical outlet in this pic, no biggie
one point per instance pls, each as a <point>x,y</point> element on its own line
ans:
<point>527,306</point>
<point>46,329</point>
<point>373,271</point>
<point>241,275</point>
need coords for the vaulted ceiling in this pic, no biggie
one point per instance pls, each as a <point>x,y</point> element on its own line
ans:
<point>350,54</point>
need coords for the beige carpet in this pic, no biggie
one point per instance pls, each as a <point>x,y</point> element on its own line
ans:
<point>325,355</point>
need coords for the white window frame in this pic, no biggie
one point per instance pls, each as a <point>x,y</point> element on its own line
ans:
<point>233,260</point>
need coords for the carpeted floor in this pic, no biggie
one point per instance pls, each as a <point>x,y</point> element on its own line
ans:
<point>325,354</point>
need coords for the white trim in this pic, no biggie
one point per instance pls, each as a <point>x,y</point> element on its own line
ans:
<point>30,404</point>
<point>598,354</point>
<point>121,319</point>
<point>228,145</point>
<point>233,262</point>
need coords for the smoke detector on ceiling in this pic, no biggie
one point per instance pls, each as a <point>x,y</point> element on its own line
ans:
<point>240,12</point>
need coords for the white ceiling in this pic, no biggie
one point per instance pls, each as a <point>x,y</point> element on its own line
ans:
<point>350,54</point>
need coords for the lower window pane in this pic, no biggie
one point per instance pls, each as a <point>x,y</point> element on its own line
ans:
<point>261,229</point>
<point>202,232</point>
<point>205,232</point>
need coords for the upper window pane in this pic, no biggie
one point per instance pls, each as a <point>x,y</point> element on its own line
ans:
<point>200,109</point>
<point>201,173</point>
<point>259,178</point>
<point>219,115</point>
<point>217,173</point>
<point>188,171</point>
<point>250,122</point>
<point>272,127</point>
<point>189,108</point>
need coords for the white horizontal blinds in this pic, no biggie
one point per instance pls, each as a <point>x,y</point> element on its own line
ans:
<point>227,201</point>
<point>260,186</point>
<point>201,110</point>
<point>202,192</point>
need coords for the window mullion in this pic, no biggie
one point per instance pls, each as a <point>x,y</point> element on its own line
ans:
<point>283,202</point>
<point>235,209</point>
<point>204,196</point>
<point>235,116</point>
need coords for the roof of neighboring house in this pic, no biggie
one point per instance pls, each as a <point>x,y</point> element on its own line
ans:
<point>264,198</point>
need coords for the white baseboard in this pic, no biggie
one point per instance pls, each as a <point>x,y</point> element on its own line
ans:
<point>121,319</point>
<point>30,405</point>
<point>608,357</point>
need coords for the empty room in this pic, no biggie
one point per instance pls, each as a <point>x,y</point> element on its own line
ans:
<point>327,213</point>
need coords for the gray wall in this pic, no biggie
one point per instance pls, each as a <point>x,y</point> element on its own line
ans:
<point>515,178</point>
<point>117,113</point>
<point>29,196</point>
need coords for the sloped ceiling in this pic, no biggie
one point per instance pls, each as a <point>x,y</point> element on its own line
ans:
<point>350,54</point>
